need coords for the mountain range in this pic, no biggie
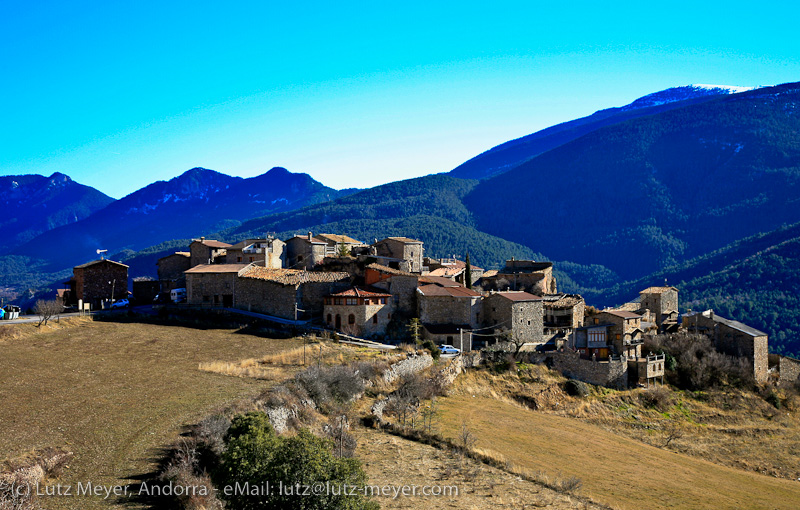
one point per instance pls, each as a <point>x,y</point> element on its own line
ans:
<point>698,185</point>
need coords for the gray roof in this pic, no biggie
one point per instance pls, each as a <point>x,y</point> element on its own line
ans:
<point>744,328</point>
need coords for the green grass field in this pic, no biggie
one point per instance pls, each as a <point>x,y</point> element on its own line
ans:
<point>615,470</point>
<point>115,393</point>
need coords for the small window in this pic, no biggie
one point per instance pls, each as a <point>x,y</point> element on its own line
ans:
<point>329,318</point>
<point>388,316</point>
<point>596,321</point>
<point>619,336</point>
<point>375,319</point>
<point>238,259</point>
<point>206,299</point>
<point>338,301</point>
<point>351,319</point>
<point>529,323</point>
<point>352,301</point>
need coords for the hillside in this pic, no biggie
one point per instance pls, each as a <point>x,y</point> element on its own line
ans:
<point>654,191</point>
<point>33,204</point>
<point>197,202</point>
<point>508,155</point>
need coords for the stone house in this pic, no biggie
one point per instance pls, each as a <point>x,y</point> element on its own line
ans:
<point>662,302</point>
<point>733,338</point>
<point>528,275</point>
<point>98,282</point>
<point>400,284</point>
<point>305,251</point>
<point>171,269</point>
<point>452,269</point>
<point>213,284</point>
<point>145,289</point>
<point>269,252</point>
<point>400,253</point>
<point>456,306</point>
<point>518,312</point>
<point>207,251</point>
<point>336,241</point>
<point>358,312</point>
<point>288,293</point>
<point>563,313</point>
<point>626,335</point>
<point>592,341</point>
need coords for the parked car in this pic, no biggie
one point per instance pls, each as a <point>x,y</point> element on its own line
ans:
<point>177,295</point>
<point>122,303</point>
<point>448,349</point>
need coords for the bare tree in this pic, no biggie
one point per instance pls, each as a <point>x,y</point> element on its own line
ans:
<point>466,439</point>
<point>46,309</point>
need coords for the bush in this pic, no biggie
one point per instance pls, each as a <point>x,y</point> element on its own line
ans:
<point>576,388</point>
<point>255,455</point>
<point>657,398</point>
<point>774,399</point>
<point>327,386</point>
<point>435,352</point>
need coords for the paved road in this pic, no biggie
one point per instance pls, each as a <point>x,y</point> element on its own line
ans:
<point>27,319</point>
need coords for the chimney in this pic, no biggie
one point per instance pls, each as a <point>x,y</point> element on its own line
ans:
<point>309,236</point>
<point>202,239</point>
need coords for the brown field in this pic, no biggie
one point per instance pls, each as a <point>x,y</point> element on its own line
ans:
<point>615,470</point>
<point>114,393</point>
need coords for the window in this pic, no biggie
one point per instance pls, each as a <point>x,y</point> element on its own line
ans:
<point>252,259</point>
<point>206,299</point>
<point>596,320</point>
<point>375,319</point>
<point>238,259</point>
<point>351,319</point>
<point>388,316</point>
<point>619,336</point>
<point>352,301</point>
<point>366,301</point>
<point>329,318</point>
<point>338,301</point>
<point>529,323</point>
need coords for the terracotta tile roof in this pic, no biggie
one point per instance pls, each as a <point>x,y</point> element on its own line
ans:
<point>435,290</point>
<point>439,280</point>
<point>403,240</point>
<point>314,240</point>
<point>446,271</point>
<point>489,273</point>
<point>338,239</point>
<point>99,262</point>
<point>293,276</point>
<point>519,296</point>
<point>623,314</point>
<point>212,243</point>
<point>216,268</point>
<point>355,291</point>
<point>657,290</point>
<point>388,270</point>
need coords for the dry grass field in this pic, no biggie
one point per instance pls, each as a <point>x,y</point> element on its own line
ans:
<point>615,470</point>
<point>115,393</point>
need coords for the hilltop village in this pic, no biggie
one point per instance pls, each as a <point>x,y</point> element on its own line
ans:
<point>384,290</point>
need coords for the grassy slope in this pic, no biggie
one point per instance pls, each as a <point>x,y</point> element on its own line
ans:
<point>115,393</point>
<point>614,469</point>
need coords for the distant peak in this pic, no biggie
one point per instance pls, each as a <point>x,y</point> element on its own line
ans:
<point>730,89</point>
<point>58,176</point>
<point>278,170</point>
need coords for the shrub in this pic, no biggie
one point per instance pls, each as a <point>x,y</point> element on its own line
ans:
<point>657,398</point>
<point>255,455</point>
<point>576,388</point>
<point>774,399</point>
<point>435,352</point>
<point>330,385</point>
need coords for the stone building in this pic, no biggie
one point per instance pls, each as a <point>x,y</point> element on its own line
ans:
<point>592,341</point>
<point>455,307</point>
<point>453,269</point>
<point>358,312</point>
<point>207,251</point>
<point>98,282</point>
<point>337,242</point>
<point>288,293</point>
<point>400,253</point>
<point>269,252</point>
<point>528,275</point>
<point>733,338</point>
<point>171,269</point>
<point>400,284</point>
<point>213,284</point>
<point>626,335</point>
<point>145,289</point>
<point>305,251</point>
<point>662,302</point>
<point>518,312</point>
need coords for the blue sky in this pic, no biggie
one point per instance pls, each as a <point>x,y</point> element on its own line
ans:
<point>120,94</point>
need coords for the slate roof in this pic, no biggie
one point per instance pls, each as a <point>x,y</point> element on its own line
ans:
<point>216,268</point>
<point>657,290</point>
<point>314,240</point>
<point>623,314</point>
<point>406,240</point>
<point>94,262</point>
<point>739,326</point>
<point>457,292</point>
<point>293,276</point>
<point>441,281</point>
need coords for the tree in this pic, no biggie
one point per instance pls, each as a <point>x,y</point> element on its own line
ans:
<point>257,458</point>
<point>343,250</point>
<point>414,325</point>
<point>467,272</point>
<point>47,308</point>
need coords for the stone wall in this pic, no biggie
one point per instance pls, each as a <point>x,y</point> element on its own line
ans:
<point>101,281</point>
<point>611,373</point>
<point>789,369</point>
<point>525,319</point>
<point>311,296</point>
<point>404,293</point>
<point>369,319</point>
<point>449,310</point>
<point>214,289</point>
<point>170,271</point>
<point>411,365</point>
<point>264,296</point>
